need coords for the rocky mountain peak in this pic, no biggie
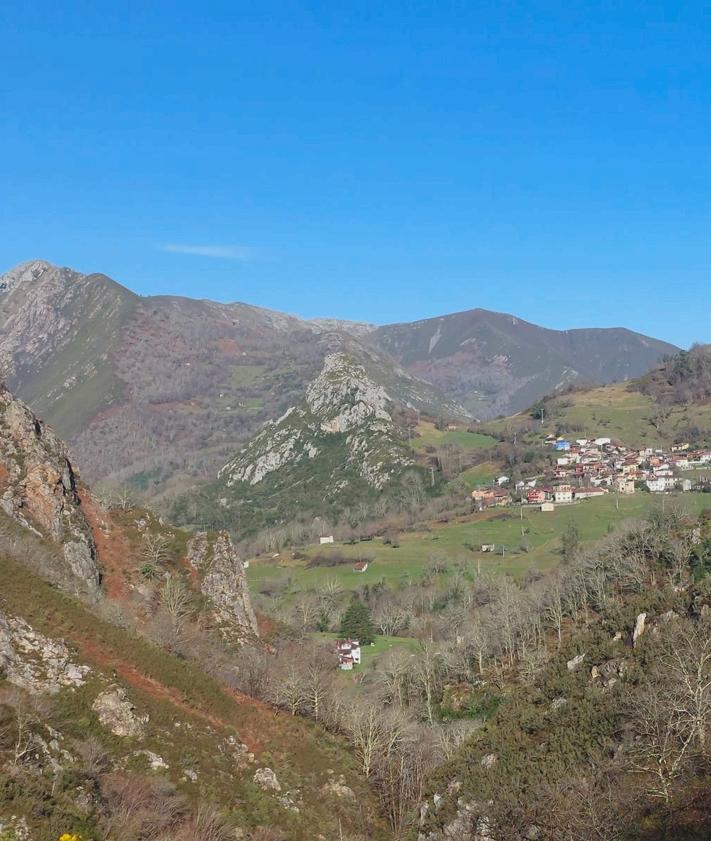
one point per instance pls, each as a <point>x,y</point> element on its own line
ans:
<point>27,272</point>
<point>341,401</point>
<point>344,397</point>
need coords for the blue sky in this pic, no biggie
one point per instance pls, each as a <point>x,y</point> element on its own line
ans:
<point>374,161</point>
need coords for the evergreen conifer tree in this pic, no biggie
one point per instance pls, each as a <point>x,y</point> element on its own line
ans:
<point>357,623</point>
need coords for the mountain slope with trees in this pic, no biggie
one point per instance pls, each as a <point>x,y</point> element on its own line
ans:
<point>157,392</point>
<point>120,713</point>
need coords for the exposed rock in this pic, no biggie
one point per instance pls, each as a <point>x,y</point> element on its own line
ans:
<point>14,828</point>
<point>343,400</point>
<point>573,664</point>
<point>118,714</point>
<point>266,779</point>
<point>638,628</point>
<point>288,801</point>
<point>223,580</point>
<point>38,489</point>
<point>617,637</point>
<point>489,760</point>
<point>464,822</point>
<point>668,617</point>
<point>7,652</point>
<point>608,673</point>
<point>557,703</point>
<point>338,788</point>
<point>35,662</point>
<point>238,750</point>
<point>438,800</point>
<point>154,760</point>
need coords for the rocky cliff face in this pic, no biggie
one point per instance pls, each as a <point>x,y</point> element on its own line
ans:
<point>223,581</point>
<point>343,403</point>
<point>38,489</point>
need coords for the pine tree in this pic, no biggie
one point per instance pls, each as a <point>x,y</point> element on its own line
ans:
<point>356,622</point>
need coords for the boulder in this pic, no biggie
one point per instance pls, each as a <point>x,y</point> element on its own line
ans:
<point>573,664</point>
<point>338,788</point>
<point>639,626</point>
<point>266,779</point>
<point>118,714</point>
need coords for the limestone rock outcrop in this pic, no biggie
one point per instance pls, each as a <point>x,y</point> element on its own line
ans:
<point>223,581</point>
<point>39,490</point>
<point>342,401</point>
<point>118,714</point>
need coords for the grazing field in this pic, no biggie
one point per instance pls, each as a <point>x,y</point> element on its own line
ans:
<point>481,474</point>
<point>430,436</point>
<point>618,412</point>
<point>510,529</point>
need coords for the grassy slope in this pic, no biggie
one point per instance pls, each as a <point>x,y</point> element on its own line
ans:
<point>107,309</point>
<point>430,436</point>
<point>543,532</point>
<point>173,692</point>
<point>617,412</point>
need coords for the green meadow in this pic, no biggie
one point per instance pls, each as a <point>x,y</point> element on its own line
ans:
<point>526,539</point>
<point>371,653</point>
<point>618,412</point>
<point>430,436</point>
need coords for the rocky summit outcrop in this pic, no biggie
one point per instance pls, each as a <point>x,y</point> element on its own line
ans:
<point>342,406</point>
<point>223,581</point>
<point>38,490</point>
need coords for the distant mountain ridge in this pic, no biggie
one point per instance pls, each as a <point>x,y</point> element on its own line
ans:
<point>160,392</point>
<point>495,363</point>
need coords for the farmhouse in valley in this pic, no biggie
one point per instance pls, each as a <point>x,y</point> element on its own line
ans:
<point>348,652</point>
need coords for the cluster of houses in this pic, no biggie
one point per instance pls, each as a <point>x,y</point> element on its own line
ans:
<point>590,467</point>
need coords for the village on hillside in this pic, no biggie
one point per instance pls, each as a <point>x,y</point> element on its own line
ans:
<point>590,467</point>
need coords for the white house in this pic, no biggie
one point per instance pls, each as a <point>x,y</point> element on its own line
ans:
<point>324,540</point>
<point>564,493</point>
<point>661,484</point>
<point>348,653</point>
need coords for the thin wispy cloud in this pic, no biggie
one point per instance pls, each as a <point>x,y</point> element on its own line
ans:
<point>220,252</point>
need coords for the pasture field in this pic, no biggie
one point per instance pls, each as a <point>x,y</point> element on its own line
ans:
<point>480,474</point>
<point>508,528</point>
<point>430,436</point>
<point>615,411</point>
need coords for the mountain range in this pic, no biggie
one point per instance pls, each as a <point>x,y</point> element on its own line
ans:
<point>164,391</point>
